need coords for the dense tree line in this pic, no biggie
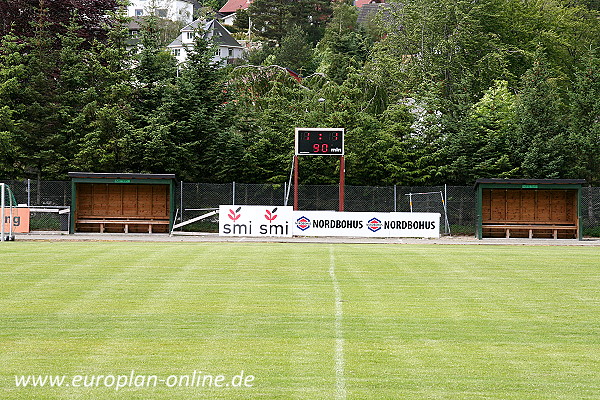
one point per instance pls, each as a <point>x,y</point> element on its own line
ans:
<point>429,92</point>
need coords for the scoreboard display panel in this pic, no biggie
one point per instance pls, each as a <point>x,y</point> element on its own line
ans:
<point>319,141</point>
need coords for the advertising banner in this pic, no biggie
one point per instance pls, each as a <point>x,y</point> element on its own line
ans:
<point>366,224</point>
<point>255,221</point>
<point>20,220</point>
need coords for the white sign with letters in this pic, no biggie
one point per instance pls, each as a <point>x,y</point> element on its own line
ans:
<point>366,224</point>
<point>255,221</point>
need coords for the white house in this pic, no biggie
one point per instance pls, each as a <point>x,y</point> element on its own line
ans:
<point>229,9</point>
<point>228,49</point>
<point>175,10</point>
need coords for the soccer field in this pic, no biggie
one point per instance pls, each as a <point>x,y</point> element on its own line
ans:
<point>302,321</point>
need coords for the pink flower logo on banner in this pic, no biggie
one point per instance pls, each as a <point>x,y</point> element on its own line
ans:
<point>270,215</point>
<point>234,215</point>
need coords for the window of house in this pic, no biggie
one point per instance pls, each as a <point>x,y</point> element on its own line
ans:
<point>190,35</point>
<point>176,52</point>
<point>230,53</point>
<point>139,12</point>
<point>161,12</point>
<point>134,33</point>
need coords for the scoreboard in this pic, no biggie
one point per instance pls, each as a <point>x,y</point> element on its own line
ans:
<point>320,141</point>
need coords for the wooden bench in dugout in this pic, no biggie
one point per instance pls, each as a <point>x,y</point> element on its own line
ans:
<point>530,228</point>
<point>117,222</point>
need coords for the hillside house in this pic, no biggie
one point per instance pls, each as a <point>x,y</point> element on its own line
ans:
<point>175,10</point>
<point>229,9</point>
<point>228,49</point>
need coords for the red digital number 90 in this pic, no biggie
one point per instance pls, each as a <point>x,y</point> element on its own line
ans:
<point>320,148</point>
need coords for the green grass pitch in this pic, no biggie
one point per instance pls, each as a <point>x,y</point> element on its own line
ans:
<point>306,321</point>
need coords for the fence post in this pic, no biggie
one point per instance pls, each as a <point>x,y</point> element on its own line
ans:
<point>39,190</point>
<point>395,199</point>
<point>28,192</point>
<point>233,194</point>
<point>181,202</point>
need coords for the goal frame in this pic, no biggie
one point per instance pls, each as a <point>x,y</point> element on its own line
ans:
<point>443,200</point>
<point>4,191</point>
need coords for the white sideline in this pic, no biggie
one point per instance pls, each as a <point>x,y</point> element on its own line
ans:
<point>340,379</point>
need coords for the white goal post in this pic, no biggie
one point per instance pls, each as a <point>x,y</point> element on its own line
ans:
<point>417,197</point>
<point>4,192</point>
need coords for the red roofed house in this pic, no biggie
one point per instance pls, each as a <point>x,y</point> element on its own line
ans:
<point>230,8</point>
<point>360,3</point>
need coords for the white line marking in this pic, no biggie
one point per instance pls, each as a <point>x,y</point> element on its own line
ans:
<point>340,380</point>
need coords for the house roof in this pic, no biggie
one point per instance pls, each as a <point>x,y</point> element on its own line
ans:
<point>370,10</point>
<point>360,3</point>
<point>194,25</point>
<point>212,30</point>
<point>177,42</point>
<point>119,175</point>
<point>224,37</point>
<point>134,23</point>
<point>530,181</point>
<point>233,5</point>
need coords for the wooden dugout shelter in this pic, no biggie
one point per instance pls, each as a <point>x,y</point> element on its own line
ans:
<point>122,202</point>
<point>541,208</point>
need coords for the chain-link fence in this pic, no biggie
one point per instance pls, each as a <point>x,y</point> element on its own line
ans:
<point>590,206</point>
<point>48,198</point>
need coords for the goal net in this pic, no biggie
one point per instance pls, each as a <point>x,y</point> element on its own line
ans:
<point>430,202</point>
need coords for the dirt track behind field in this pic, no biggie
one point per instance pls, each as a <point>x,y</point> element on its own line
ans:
<point>213,237</point>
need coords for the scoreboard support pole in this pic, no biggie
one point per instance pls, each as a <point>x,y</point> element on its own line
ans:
<point>342,188</point>
<point>342,182</point>
<point>295,183</point>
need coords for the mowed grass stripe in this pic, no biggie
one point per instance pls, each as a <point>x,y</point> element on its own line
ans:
<point>340,378</point>
<point>419,322</point>
<point>228,311</point>
<point>480,323</point>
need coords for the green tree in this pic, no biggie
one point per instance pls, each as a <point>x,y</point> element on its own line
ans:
<point>585,118</point>
<point>542,145</point>
<point>345,45</point>
<point>295,52</point>
<point>74,91</point>
<point>7,150</point>
<point>106,144</point>
<point>154,71</point>
<point>273,18</point>
<point>181,136</point>
<point>16,16</point>
<point>465,46</point>
<point>13,74</point>
<point>482,147</point>
<point>271,104</point>
<point>31,95</point>
<point>440,42</point>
